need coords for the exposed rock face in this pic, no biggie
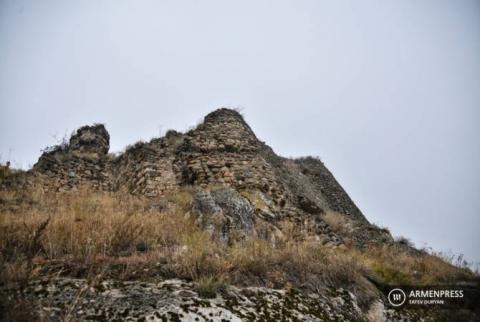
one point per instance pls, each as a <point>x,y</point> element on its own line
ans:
<point>223,210</point>
<point>175,300</point>
<point>236,207</point>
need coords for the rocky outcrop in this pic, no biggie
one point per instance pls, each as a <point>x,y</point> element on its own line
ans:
<point>222,211</point>
<point>176,300</point>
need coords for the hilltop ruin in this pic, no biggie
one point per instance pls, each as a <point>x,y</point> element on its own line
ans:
<point>223,151</point>
<point>207,225</point>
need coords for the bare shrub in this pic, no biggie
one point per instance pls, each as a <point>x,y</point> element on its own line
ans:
<point>404,241</point>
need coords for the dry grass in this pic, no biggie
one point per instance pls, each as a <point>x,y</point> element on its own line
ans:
<point>256,199</point>
<point>85,225</point>
<point>397,266</point>
<point>127,238</point>
<point>338,222</point>
<point>209,286</point>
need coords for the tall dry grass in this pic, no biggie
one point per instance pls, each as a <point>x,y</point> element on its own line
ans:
<point>85,225</point>
<point>148,240</point>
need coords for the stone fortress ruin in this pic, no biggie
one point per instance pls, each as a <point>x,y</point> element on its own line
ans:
<point>223,151</point>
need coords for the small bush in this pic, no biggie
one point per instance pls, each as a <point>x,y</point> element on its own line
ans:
<point>404,241</point>
<point>209,286</point>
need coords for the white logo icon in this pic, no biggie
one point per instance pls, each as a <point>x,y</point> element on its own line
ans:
<point>396,297</point>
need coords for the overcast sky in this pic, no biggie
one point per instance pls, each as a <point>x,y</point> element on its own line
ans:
<point>387,93</point>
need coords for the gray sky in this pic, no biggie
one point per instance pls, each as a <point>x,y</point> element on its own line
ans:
<point>387,93</point>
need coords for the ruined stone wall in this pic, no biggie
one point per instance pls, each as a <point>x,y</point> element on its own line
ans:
<point>144,169</point>
<point>148,168</point>
<point>93,140</point>
<point>82,162</point>
<point>66,172</point>
<point>222,151</point>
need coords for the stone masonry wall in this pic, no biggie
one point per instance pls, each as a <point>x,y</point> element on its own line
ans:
<point>147,168</point>
<point>82,162</point>
<point>69,172</point>
<point>222,151</point>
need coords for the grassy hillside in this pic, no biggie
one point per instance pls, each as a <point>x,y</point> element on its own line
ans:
<point>115,235</point>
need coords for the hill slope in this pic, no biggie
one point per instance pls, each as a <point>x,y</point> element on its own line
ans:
<point>206,225</point>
